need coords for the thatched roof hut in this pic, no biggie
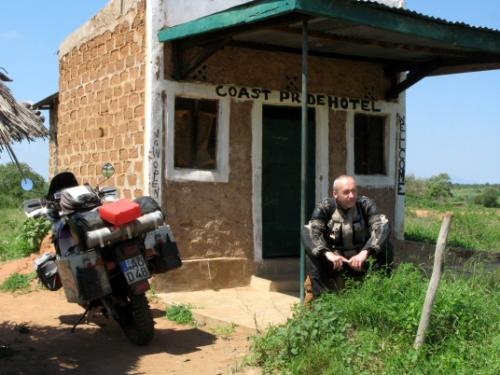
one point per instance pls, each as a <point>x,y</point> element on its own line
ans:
<point>17,121</point>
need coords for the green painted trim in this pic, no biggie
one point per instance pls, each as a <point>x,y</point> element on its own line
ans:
<point>241,15</point>
<point>457,35</point>
<point>460,36</point>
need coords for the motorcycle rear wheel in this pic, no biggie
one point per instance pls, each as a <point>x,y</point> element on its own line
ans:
<point>136,320</point>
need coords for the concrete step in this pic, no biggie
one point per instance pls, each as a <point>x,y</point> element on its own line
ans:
<point>276,283</point>
<point>277,275</point>
<point>276,266</point>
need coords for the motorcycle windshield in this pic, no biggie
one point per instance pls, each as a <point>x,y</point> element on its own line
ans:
<point>61,181</point>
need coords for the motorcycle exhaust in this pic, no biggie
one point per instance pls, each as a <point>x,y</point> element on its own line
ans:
<point>109,235</point>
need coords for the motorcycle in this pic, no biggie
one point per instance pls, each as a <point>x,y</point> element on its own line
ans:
<point>107,249</point>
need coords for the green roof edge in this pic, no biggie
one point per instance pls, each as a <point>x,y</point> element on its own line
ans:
<point>461,36</point>
<point>244,14</point>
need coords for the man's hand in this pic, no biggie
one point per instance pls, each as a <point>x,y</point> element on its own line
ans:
<point>336,260</point>
<point>357,261</point>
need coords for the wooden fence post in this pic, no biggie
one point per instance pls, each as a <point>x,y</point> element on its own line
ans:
<point>434,282</point>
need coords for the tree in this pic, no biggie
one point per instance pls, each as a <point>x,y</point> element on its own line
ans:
<point>439,187</point>
<point>11,193</point>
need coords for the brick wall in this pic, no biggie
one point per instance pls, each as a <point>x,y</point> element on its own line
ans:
<point>101,110</point>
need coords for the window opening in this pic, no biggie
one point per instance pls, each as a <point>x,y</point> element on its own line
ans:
<point>195,133</point>
<point>369,145</point>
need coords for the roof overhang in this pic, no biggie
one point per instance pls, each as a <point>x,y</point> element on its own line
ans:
<point>47,103</point>
<point>400,39</point>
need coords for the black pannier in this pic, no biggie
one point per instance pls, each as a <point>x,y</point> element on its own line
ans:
<point>46,270</point>
<point>169,252</point>
<point>165,246</point>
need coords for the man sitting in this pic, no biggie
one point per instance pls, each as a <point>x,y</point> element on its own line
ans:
<point>344,231</point>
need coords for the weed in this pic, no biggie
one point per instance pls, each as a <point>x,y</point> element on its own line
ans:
<point>242,365</point>
<point>223,332</point>
<point>181,314</point>
<point>17,282</point>
<point>34,230</point>
<point>19,237</point>
<point>10,223</point>
<point>370,328</point>
<point>153,294</point>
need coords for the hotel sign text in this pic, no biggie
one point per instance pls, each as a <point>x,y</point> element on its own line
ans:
<point>292,97</point>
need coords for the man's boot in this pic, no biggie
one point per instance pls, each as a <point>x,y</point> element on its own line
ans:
<point>308,296</point>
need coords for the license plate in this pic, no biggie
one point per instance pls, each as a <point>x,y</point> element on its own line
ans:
<point>135,269</point>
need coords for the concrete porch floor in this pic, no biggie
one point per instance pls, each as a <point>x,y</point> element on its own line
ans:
<point>249,308</point>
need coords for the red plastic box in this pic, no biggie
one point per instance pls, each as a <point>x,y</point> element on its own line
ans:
<point>121,212</point>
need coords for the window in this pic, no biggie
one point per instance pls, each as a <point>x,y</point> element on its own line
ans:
<point>369,145</point>
<point>195,133</point>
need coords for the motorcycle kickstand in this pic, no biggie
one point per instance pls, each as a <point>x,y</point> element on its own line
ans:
<point>81,319</point>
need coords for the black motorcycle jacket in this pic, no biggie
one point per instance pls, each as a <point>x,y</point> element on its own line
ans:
<point>347,232</point>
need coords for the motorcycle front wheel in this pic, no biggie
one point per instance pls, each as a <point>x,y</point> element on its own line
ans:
<point>136,320</point>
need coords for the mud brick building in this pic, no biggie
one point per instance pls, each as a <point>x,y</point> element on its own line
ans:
<point>199,105</point>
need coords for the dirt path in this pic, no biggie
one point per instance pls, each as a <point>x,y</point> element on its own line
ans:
<point>35,338</point>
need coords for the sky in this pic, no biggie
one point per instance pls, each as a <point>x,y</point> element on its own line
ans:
<point>453,122</point>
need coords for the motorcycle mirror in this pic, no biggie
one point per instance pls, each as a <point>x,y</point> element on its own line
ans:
<point>108,170</point>
<point>27,184</point>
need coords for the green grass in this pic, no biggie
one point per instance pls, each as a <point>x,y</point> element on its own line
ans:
<point>180,314</point>
<point>11,245</point>
<point>473,226</point>
<point>17,282</point>
<point>370,329</point>
<point>19,237</point>
<point>223,332</point>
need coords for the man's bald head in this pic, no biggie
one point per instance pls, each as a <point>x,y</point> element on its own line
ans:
<point>345,191</point>
<point>342,180</point>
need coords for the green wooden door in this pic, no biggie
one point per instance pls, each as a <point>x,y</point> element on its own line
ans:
<point>281,154</point>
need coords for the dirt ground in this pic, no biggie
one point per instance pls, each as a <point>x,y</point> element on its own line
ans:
<point>36,338</point>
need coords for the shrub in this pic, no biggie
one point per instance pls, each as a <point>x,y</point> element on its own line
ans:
<point>488,198</point>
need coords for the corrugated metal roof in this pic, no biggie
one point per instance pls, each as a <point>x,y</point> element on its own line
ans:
<point>409,12</point>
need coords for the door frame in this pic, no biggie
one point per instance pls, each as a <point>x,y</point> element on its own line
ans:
<point>321,165</point>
